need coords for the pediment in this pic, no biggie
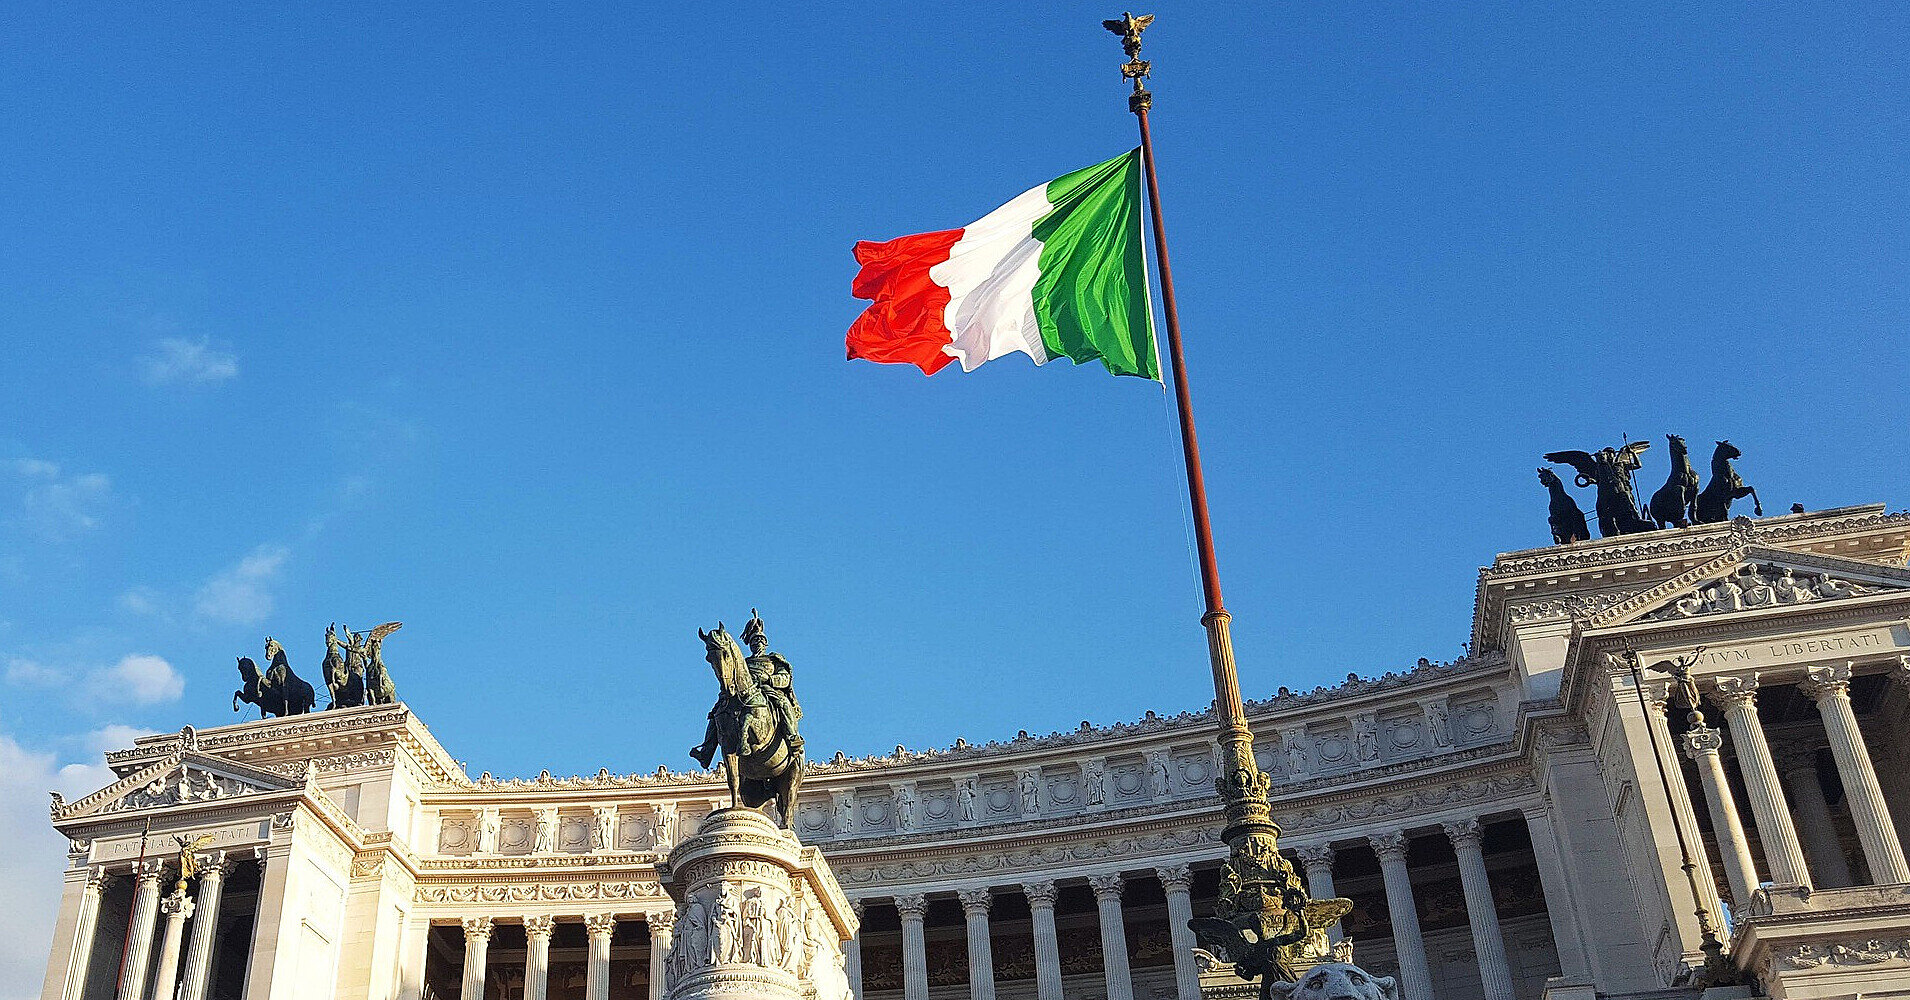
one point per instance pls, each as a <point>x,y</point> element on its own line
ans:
<point>184,778</point>
<point>1755,578</point>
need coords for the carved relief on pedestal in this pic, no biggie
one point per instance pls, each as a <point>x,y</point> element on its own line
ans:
<point>1028,786</point>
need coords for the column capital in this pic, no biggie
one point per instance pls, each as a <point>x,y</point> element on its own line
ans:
<point>152,870</point>
<point>600,924</point>
<point>539,925</point>
<point>1390,846</point>
<point>96,878</point>
<point>1041,895</point>
<point>1793,759</point>
<point>1314,855</point>
<point>1702,740</point>
<point>911,906</point>
<point>213,865</point>
<point>1736,690</point>
<point>1106,886</point>
<point>975,901</point>
<point>1465,834</point>
<point>1827,681</point>
<point>660,920</point>
<point>476,928</point>
<point>1175,878</point>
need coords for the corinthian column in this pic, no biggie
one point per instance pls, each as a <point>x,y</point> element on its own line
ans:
<point>1041,897</point>
<point>205,926</point>
<point>477,949</point>
<point>1810,810</point>
<point>1830,687</point>
<point>1178,882</point>
<point>981,955</point>
<point>537,931</point>
<point>1487,940</point>
<point>1414,975</point>
<point>1107,897</point>
<point>1317,860</point>
<point>83,930</point>
<point>597,974</point>
<point>177,908</point>
<point>1738,695</point>
<point>1702,745</point>
<point>139,932</point>
<point>912,907</point>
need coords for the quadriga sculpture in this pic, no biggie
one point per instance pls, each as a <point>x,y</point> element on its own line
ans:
<point>1610,470</point>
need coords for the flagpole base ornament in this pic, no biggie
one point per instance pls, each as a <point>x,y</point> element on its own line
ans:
<point>1263,920</point>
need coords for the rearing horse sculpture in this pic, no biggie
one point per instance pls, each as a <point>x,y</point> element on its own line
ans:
<point>1673,505</point>
<point>758,761</point>
<point>1714,501</point>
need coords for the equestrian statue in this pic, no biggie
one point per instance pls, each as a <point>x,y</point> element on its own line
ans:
<point>1565,516</point>
<point>278,691</point>
<point>1675,503</point>
<point>1610,470</point>
<point>1714,501</point>
<point>754,721</point>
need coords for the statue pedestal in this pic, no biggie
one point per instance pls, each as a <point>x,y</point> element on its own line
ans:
<point>758,915</point>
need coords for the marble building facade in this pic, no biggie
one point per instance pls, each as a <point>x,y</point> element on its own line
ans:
<point>1499,821</point>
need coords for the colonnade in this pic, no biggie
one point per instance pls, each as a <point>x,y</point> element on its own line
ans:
<point>182,924</point>
<point>1393,847</point>
<point>538,928</point>
<point>1794,824</point>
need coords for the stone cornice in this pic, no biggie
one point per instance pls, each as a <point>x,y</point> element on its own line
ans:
<point>316,734</point>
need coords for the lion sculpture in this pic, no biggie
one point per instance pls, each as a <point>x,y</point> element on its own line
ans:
<point>1337,981</point>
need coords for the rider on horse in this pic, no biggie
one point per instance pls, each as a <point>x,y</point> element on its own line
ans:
<point>773,678</point>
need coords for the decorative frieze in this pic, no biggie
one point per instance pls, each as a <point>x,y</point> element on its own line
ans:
<point>537,892</point>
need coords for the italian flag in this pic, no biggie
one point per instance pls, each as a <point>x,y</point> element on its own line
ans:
<point>1057,272</point>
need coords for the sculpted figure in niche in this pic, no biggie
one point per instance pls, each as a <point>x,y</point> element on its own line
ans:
<point>1159,781</point>
<point>1441,724</point>
<point>1366,737</point>
<point>965,799</point>
<point>845,816</point>
<point>488,826</point>
<point>603,828</point>
<point>1334,981</point>
<point>545,840</point>
<point>693,944</point>
<point>1296,753</point>
<point>788,943</point>
<point>1030,791</point>
<point>904,808</point>
<point>665,832</point>
<point>750,930</point>
<point>814,944</point>
<point>1096,780</point>
<point>723,926</point>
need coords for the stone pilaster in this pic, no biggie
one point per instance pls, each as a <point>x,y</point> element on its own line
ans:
<point>912,907</point>
<point>477,951</point>
<point>537,931</point>
<point>852,952</point>
<point>1114,963</point>
<point>1414,973</point>
<point>1041,897</point>
<point>981,953</point>
<point>1829,686</point>
<point>1782,852</point>
<point>1178,881</point>
<point>139,931</point>
<point>1810,810</point>
<point>1702,746</point>
<point>205,924</point>
<point>1317,861</point>
<point>1560,905</point>
<point>1488,941</point>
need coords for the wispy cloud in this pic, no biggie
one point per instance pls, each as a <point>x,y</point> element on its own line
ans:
<point>22,672</point>
<point>241,594</point>
<point>181,361</point>
<point>58,505</point>
<point>140,679</point>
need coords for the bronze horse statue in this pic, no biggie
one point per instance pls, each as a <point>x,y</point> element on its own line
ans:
<point>347,686</point>
<point>759,762</point>
<point>1564,514</point>
<point>379,690</point>
<point>1610,470</point>
<point>1714,501</point>
<point>278,691</point>
<point>1675,503</point>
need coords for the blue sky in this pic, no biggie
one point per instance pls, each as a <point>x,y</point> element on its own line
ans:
<point>525,327</point>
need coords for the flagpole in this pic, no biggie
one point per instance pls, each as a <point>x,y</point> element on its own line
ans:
<point>1261,896</point>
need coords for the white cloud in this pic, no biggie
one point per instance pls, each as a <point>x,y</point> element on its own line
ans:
<point>57,505</point>
<point>140,680</point>
<point>241,594</point>
<point>35,856</point>
<point>141,601</point>
<point>23,672</point>
<point>179,361</point>
<point>110,737</point>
